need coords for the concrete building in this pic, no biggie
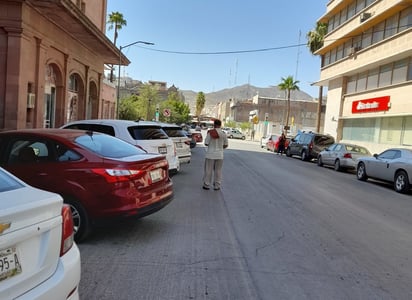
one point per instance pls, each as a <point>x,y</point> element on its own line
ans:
<point>367,68</point>
<point>52,61</point>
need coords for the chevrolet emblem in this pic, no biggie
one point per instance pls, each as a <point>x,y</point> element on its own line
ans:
<point>4,226</point>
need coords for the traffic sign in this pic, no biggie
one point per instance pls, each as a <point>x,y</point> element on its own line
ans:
<point>166,112</point>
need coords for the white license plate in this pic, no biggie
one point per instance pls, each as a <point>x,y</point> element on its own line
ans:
<point>162,150</point>
<point>9,263</point>
<point>179,145</point>
<point>156,175</point>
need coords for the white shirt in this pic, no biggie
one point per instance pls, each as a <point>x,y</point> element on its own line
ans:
<point>215,147</point>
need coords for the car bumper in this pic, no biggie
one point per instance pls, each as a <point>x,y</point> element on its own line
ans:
<point>185,159</point>
<point>64,282</point>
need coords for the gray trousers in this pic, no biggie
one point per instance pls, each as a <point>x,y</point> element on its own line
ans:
<point>213,168</point>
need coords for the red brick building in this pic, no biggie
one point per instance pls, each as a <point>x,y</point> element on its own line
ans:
<point>52,57</point>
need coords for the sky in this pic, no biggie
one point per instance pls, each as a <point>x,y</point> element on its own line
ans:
<point>210,45</point>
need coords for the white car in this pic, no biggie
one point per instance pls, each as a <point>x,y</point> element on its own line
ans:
<point>146,134</point>
<point>38,256</point>
<point>181,140</point>
<point>235,134</point>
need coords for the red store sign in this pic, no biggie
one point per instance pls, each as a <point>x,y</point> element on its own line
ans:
<point>371,105</point>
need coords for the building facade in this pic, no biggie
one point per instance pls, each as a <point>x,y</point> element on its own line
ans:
<point>367,67</point>
<point>52,61</point>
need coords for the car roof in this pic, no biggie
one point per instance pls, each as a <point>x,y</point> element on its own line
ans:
<point>115,122</point>
<point>50,132</point>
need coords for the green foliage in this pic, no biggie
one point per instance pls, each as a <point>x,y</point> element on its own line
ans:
<point>200,103</point>
<point>148,100</point>
<point>128,109</point>
<point>245,126</point>
<point>179,111</point>
<point>231,124</point>
<point>316,37</point>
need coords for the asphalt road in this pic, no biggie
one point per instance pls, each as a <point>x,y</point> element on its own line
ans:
<point>279,228</point>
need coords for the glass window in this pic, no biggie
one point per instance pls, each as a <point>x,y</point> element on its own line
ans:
<point>336,21</point>
<point>333,55</point>
<point>399,71</point>
<point>326,59</point>
<point>407,135</point>
<point>378,31</point>
<point>367,38</point>
<point>391,26</point>
<point>361,85</point>
<point>410,70</point>
<point>389,154</point>
<point>344,15</point>
<point>359,129</point>
<point>391,129</point>
<point>360,5</point>
<point>372,79</point>
<point>330,24</point>
<point>147,133</point>
<point>339,52</point>
<point>351,9</point>
<point>385,75</point>
<point>351,85</point>
<point>8,183</point>
<point>405,20</point>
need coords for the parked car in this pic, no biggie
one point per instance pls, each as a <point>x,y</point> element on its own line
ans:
<point>38,257</point>
<point>235,134</point>
<point>264,140</point>
<point>342,156</point>
<point>308,145</point>
<point>273,142</point>
<point>146,134</point>
<point>182,142</point>
<point>98,175</point>
<point>392,165</point>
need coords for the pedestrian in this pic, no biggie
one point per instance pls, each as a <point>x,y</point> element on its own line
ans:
<point>252,135</point>
<point>281,144</point>
<point>216,141</point>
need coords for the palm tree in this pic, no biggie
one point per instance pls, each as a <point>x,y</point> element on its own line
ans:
<point>117,22</point>
<point>315,42</point>
<point>288,84</point>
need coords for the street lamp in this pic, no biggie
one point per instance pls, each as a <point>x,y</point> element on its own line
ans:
<point>118,77</point>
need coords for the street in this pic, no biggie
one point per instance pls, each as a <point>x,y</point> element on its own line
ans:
<point>279,228</point>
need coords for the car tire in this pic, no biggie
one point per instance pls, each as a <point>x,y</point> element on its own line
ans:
<point>320,162</point>
<point>231,137</point>
<point>303,156</point>
<point>401,182</point>
<point>288,154</point>
<point>361,172</point>
<point>337,165</point>
<point>81,220</point>
<point>243,138</point>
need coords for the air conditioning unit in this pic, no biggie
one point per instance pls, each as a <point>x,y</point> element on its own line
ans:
<point>364,16</point>
<point>31,100</point>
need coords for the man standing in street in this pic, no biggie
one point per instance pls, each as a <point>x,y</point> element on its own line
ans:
<point>216,141</point>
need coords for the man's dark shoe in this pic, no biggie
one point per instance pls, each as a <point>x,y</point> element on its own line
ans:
<point>205,187</point>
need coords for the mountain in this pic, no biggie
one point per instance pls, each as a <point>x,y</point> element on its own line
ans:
<point>243,92</point>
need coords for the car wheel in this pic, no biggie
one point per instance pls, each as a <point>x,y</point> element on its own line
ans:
<point>401,182</point>
<point>231,137</point>
<point>81,220</point>
<point>288,154</point>
<point>303,156</point>
<point>243,137</point>
<point>320,162</point>
<point>337,165</point>
<point>361,172</point>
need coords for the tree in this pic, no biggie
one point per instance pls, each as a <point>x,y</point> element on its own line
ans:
<point>128,109</point>
<point>116,22</point>
<point>200,103</point>
<point>148,99</point>
<point>288,84</point>
<point>315,42</point>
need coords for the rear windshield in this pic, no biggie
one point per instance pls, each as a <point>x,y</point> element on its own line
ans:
<point>324,140</point>
<point>147,133</point>
<point>174,132</point>
<point>108,146</point>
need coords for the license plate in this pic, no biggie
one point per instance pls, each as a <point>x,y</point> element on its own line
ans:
<point>9,263</point>
<point>179,145</point>
<point>163,150</point>
<point>156,175</point>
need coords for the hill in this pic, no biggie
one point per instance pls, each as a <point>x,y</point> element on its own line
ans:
<point>242,92</point>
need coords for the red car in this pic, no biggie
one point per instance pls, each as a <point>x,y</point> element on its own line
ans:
<point>273,143</point>
<point>98,175</point>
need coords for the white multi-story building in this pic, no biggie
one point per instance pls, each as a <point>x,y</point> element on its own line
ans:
<point>367,68</point>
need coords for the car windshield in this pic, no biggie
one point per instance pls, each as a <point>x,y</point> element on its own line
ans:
<point>147,133</point>
<point>8,183</point>
<point>108,146</point>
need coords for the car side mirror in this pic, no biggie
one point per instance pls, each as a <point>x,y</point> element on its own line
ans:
<point>375,155</point>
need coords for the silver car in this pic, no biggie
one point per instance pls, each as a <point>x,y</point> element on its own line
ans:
<point>342,156</point>
<point>393,165</point>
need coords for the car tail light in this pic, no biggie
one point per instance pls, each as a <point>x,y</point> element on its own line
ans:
<point>311,145</point>
<point>347,155</point>
<point>118,175</point>
<point>67,230</point>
